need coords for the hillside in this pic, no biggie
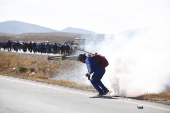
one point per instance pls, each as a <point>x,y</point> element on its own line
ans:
<point>77,30</point>
<point>20,31</point>
<point>17,27</point>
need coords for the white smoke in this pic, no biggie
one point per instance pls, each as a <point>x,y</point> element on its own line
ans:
<point>138,61</point>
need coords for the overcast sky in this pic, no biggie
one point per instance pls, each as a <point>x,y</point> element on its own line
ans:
<point>101,16</point>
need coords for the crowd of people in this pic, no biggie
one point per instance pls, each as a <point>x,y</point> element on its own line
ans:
<point>63,49</point>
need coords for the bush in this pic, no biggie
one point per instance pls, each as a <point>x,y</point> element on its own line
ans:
<point>23,70</point>
<point>32,69</point>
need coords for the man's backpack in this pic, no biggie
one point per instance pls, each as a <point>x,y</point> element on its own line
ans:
<point>101,60</point>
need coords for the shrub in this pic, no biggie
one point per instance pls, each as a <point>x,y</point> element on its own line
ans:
<point>32,69</point>
<point>23,70</point>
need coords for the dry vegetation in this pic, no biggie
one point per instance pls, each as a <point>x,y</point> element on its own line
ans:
<point>163,97</point>
<point>4,38</point>
<point>37,67</point>
<point>58,37</point>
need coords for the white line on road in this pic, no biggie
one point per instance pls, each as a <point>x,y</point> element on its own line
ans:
<point>5,78</point>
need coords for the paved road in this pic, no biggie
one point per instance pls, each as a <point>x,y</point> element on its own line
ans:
<point>26,96</point>
<point>27,52</point>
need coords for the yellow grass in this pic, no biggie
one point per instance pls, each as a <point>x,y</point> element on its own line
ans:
<point>163,96</point>
<point>42,69</point>
<point>57,37</point>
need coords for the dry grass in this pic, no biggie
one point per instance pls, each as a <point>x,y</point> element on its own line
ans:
<point>38,68</point>
<point>164,96</point>
<point>58,37</point>
<point>4,38</point>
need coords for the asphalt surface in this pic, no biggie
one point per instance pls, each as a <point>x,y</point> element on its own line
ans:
<point>26,96</point>
<point>27,52</point>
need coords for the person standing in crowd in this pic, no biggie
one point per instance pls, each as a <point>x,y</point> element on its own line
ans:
<point>67,49</point>
<point>47,46</point>
<point>58,51</point>
<point>55,47</point>
<point>17,46</point>
<point>30,46</point>
<point>0,45</point>
<point>50,48</point>
<point>34,47</point>
<point>44,49</point>
<point>41,47</point>
<point>4,45</point>
<point>24,46</point>
<point>9,44</point>
<point>62,49</point>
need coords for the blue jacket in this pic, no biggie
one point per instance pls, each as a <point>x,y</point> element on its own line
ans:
<point>47,45</point>
<point>93,67</point>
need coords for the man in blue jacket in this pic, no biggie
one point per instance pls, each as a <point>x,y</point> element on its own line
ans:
<point>97,73</point>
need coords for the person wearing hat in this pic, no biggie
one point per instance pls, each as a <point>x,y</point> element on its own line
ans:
<point>96,72</point>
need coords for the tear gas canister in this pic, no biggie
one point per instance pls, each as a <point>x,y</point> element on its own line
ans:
<point>140,107</point>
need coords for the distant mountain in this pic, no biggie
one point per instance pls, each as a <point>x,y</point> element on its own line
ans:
<point>17,27</point>
<point>77,30</point>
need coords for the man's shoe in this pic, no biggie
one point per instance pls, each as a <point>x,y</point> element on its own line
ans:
<point>106,92</point>
<point>101,94</point>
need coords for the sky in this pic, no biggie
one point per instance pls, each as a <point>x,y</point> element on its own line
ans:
<point>100,16</point>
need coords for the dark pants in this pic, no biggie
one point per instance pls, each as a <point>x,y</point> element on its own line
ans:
<point>96,82</point>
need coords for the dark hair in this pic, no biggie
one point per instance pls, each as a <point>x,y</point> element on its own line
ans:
<point>81,56</point>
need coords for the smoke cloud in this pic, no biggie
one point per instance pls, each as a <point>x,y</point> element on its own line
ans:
<point>138,61</point>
